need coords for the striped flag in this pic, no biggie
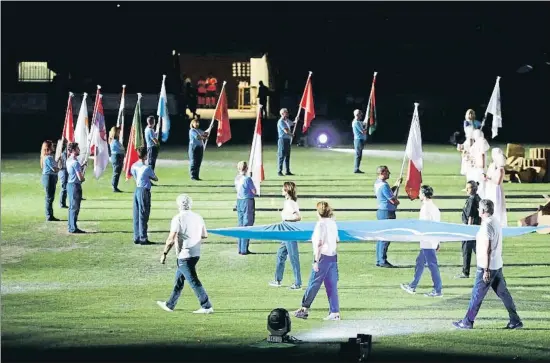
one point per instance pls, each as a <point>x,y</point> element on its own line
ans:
<point>414,154</point>
<point>256,162</point>
<point>120,118</point>
<point>135,141</point>
<point>370,115</point>
<point>68,127</point>
<point>162,111</point>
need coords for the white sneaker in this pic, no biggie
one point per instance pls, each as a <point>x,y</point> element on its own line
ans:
<point>275,283</point>
<point>332,316</point>
<point>163,306</point>
<point>204,311</point>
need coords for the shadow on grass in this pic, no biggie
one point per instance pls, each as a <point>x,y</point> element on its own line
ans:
<point>262,352</point>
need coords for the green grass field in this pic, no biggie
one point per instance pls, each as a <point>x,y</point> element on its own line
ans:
<point>61,291</point>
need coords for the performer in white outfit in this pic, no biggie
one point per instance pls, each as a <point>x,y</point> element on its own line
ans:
<point>493,187</point>
<point>465,149</point>
<point>478,153</point>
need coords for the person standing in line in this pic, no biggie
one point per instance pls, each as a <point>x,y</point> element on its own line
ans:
<point>117,156</point>
<point>143,174</point>
<point>74,186</point>
<point>187,230</point>
<point>494,189</point>
<point>478,156</point>
<point>246,205</point>
<point>470,121</point>
<point>325,264</point>
<point>284,129</point>
<point>489,270</point>
<point>63,176</point>
<point>196,148</point>
<point>470,216</point>
<point>387,205</point>
<point>290,213</point>
<point>428,248</point>
<point>49,177</point>
<point>152,142</point>
<point>359,139</point>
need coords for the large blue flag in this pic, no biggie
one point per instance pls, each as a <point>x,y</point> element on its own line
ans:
<point>401,230</point>
<point>162,111</point>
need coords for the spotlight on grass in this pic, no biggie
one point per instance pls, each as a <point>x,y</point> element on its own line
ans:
<point>278,325</point>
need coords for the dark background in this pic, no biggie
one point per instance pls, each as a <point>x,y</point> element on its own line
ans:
<point>444,55</point>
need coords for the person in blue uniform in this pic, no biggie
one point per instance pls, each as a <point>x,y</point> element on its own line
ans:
<point>143,174</point>
<point>117,156</point>
<point>74,186</point>
<point>284,129</point>
<point>63,176</point>
<point>359,139</point>
<point>246,207</point>
<point>49,177</point>
<point>196,148</point>
<point>152,142</point>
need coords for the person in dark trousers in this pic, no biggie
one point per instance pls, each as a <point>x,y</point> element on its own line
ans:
<point>63,176</point>
<point>187,231</point>
<point>263,92</point>
<point>191,99</point>
<point>152,142</point>
<point>284,129</point>
<point>246,206</point>
<point>359,139</point>
<point>470,216</point>
<point>49,177</point>
<point>74,186</point>
<point>143,174</point>
<point>117,156</point>
<point>387,205</point>
<point>196,148</point>
<point>489,270</point>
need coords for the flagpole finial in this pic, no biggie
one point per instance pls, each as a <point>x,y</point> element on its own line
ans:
<point>375,73</point>
<point>85,95</point>
<point>416,104</point>
<point>224,82</point>
<point>71,94</point>
<point>498,78</point>
<point>98,87</point>
<point>310,73</point>
<point>163,77</point>
<point>123,86</point>
<point>139,96</point>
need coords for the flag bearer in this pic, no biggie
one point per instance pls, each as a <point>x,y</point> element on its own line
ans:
<point>246,191</point>
<point>284,128</point>
<point>49,177</point>
<point>143,174</point>
<point>359,139</point>
<point>152,142</point>
<point>117,156</point>
<point>196,148</point>
<point>63,176</point>
<point>74,185</point>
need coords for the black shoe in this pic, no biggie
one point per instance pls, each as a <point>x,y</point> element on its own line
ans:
<point>77,231</point>
<point>359,172</point>
<point>52,219</point>
<point>82,198</point>
<point>145,243</point>
<point>153,185</point>
<point>250,253</point>
<point>137,242</point>
<point>63,207</point>
<point>386,265</point>
<point>289,173</point>
<point>462,276</point>
<point>116,190</point>
<point>280,174</point>
<point>511,325</point>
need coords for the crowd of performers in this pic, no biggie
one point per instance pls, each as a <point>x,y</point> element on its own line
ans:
<point>484,206</point>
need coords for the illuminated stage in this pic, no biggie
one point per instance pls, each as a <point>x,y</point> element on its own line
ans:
<point>234,114</point>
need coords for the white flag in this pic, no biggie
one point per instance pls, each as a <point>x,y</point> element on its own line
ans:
<point>494,109</point>
<point>255,162</point>
<point>81,129</point>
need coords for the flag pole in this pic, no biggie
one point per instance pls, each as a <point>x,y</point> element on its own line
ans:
<point>367,112</point>
<point>415,119</point>
<point>253,154</point>
<point>214,115</point>
<point>299,109</point>
<point>120,120</point>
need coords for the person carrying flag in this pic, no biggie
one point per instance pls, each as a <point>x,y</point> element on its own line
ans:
<point>152,142</point>
<point>143,174</point>
<point>117,156</point>
<point>284,128</point>
<point>246,205</point>
<point>359,139</point>
<point>74,185</point>
<point>196,148</point>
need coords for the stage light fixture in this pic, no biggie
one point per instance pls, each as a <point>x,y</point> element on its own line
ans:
<point>278,325</point>
<point>322,139</point>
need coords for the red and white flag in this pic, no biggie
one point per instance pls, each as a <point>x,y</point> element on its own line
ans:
<point>222,115</point>
<point>307,104</point>
<point>256,161</point>
<point>68,127</point>
<point>414,153</point>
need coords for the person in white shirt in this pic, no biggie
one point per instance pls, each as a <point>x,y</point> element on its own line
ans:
<point>186,232</point>
<point>325,264</point>
<point>290,213</point>
<point>494,189</point>
<point>428,248</point>
<point>489,269</point>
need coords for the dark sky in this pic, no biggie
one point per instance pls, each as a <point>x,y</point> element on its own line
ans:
<point>444,54</point>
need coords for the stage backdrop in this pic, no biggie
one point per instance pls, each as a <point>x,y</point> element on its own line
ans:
<point>232,68</point>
